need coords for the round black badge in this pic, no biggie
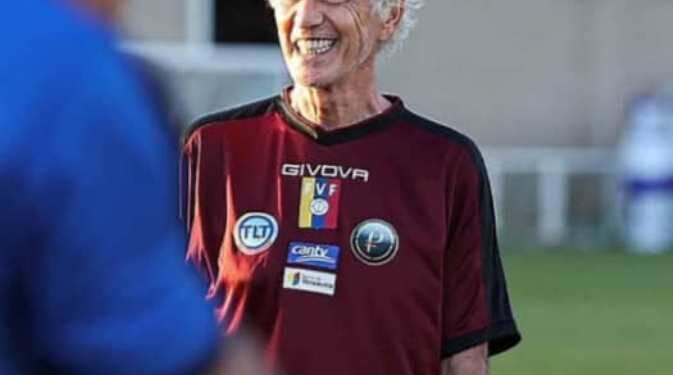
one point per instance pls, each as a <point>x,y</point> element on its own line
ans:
<point>374,242</point>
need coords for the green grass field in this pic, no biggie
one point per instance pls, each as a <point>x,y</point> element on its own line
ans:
<point>590,313</point>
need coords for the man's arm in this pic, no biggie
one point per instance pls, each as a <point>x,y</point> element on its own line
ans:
<point>473,361</point>
<point>478,320</point>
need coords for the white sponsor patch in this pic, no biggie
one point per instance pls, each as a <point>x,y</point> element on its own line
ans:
<point>255,232</point>
<point>309,281</point>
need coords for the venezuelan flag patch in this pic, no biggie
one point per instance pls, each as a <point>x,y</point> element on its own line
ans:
<point>319,203</point>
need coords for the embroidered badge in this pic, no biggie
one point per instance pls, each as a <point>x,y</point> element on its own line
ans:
<point>309,281</point>
<point>319,203</point>
<point>255,232</point>
<point>311,254</point>
<point>374,242</point>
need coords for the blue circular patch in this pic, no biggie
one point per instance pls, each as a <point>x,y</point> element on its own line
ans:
<point>255,232</point>
<point>374,242</point>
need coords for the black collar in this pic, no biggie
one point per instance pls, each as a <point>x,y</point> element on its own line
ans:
<point>355,131</point>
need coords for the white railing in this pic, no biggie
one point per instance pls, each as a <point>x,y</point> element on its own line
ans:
<point>211,58</point>
<point>553,168</point>
<point>206,77</point>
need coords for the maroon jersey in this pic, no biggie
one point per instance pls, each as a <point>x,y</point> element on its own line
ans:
<point>364,250</point>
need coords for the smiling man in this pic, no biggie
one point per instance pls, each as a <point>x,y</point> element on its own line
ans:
<point>355,236</point>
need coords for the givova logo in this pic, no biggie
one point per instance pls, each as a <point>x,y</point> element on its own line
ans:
<point>255,232</point>
<point>325,171</point>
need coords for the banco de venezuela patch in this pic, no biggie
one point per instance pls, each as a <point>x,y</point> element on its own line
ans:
<point>319,203</point>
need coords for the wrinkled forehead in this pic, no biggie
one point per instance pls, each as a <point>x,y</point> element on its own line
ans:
<point>274,3</point>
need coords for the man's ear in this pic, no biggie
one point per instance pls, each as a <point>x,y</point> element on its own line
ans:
<point>392,21</point>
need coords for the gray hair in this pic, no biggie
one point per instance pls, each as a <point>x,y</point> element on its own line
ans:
<point>384,7</point>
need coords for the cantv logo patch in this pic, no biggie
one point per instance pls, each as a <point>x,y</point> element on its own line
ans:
<point>316,255</point>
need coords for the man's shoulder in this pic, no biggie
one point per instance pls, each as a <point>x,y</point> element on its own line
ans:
<point>452,138</point>
<point>249,110</point>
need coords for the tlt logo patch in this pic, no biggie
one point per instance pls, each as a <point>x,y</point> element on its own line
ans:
<point>319,204</point>
<point>316,255</point>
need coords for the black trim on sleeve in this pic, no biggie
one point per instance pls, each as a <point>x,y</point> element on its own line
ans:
<point>439,129</point>
<point>249,110</point>
<point>500,337</point>
<point>245,111</point>
<point>502,334</point>
<point>461,343</point>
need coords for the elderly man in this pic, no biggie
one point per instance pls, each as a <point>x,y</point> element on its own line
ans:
<point>356,236</point>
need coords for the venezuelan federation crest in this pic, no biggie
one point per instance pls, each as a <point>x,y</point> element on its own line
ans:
<point>319,203</point>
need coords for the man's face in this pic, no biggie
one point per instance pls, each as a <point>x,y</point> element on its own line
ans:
<point>327,42</point>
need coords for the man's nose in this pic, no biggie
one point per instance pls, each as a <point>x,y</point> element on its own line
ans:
<point>309,14</point>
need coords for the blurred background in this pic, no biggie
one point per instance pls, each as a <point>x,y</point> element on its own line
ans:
<point>572,104</point>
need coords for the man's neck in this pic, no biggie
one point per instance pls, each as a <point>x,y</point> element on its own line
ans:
<point>337,107</point>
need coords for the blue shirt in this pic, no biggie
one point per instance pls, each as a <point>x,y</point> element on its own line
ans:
<point>92,276</point>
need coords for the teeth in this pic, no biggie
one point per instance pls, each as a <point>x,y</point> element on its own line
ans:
<point>314,46</point>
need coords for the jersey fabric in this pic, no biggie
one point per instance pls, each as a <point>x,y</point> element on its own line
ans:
<point>92,274</point>
<point>369,249</point>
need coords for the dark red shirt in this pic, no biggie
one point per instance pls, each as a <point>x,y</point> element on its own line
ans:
<point>364,250</point>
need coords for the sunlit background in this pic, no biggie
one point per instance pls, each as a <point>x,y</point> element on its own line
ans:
<point>572,104</point>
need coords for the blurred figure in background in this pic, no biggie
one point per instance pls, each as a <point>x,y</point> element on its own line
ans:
<point>92,280</point>
<point>646,173</point>
<point>358,236</point>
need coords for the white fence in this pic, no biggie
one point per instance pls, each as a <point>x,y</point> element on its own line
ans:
<point>553,169</point>
<point>205,77</point>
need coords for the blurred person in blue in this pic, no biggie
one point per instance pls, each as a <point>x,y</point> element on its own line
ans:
<point>92,280</point>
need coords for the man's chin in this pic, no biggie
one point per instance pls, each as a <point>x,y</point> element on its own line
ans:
<point>314,78</point>
<point>313,82</point>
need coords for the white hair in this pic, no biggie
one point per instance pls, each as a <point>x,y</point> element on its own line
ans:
<point>408,21</point>
<point>384,7</point>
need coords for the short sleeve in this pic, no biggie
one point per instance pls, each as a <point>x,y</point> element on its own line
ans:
<point>476,307</point>
<point>203,203</point>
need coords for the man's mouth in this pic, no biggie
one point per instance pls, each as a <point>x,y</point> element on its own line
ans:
<point>314,46</point>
